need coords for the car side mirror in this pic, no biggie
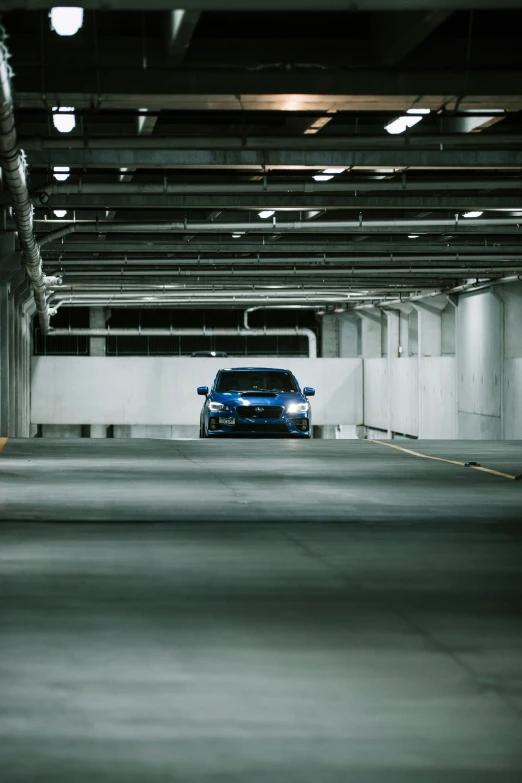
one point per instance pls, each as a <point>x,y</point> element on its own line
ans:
<point>203,390</point>
<point>308,391</point>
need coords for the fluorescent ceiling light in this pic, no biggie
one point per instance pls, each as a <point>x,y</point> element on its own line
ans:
<point>266,213</point>
<point>413,236</point>
<point>64,119</point>
<point>66,21</point>
<point>401,123</point>
<point>237,234</point>
<point>472,214</point>
<point>333,171</point>
<point>60,213</point>
<point>323,177</point>
<point>61,173</point>
<point>418,111</point>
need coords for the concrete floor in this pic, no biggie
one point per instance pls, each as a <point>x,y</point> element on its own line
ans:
<point>341,612</point>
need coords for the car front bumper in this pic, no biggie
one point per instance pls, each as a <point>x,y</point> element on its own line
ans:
<point>299,426</point>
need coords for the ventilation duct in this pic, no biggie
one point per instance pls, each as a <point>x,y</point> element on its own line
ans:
<point>13,168</point>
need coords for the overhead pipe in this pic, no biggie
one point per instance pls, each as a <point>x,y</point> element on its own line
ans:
<point>269,226</point>
<point>350,185</point>
<point>458,289</point>
<point>13,168</point>
<point>301,264</point>
<point>207,332</point>
<point>275,307</point>
<point>58,234</point>
<point>346,143</point>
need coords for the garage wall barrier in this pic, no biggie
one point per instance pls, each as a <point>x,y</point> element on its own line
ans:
<point>162,390</point>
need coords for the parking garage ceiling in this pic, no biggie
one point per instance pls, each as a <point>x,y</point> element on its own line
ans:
<point>182,126</point>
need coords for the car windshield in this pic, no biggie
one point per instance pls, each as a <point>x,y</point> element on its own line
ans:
<point>252,380</point>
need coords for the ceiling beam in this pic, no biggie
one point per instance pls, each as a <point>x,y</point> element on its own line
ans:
<point>265,159</point>
<point>181,25</point>
<point>289,202</point>
<point>271,5</point>
<point>345,142</point>
<point>84,84</point>
<point>395,35</point>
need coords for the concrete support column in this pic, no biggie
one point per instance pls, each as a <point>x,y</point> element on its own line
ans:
<point>393,341</point>
<point>429,342</point>
<point>10,271</point>
<point>330,336</point>
<point>371,327</point>
<point>98,347</point>
<point>349,335</point>
<point>97,320</point>
<point>430,326</point>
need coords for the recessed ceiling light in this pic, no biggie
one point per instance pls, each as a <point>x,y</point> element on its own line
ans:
<point>61,173</point>
<point>59,213</point>
<point>64,119</point>
<point>413,236</point>
<point>400,124</point>
<point>472,214</point>
<point>266,213</point>
<point>66,21</point>
<point>236,236</point>
<point>323,177</point>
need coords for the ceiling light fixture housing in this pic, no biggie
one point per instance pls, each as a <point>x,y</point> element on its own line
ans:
<point>63,118</point>
<point>66,21</point>
<point>61,173</point>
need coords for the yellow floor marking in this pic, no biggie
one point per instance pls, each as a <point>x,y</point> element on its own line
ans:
<point>3,441</point>
<point>442,459</point>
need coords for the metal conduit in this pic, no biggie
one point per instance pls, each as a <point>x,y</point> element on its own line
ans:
<point>314,274</point>
<point>405,275</point>
<point>316,263</point>
<point>348,186</point>
<point>267,226</point>
<point>207,332</point>
<point>15,179</point>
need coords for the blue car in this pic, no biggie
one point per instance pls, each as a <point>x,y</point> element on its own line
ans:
<point>255,401</point>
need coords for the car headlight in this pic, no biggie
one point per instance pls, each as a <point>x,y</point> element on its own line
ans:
<point>217,406</point>
<point>297,407</point>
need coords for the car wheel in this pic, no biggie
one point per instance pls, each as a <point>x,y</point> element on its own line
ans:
<point>202,430</point>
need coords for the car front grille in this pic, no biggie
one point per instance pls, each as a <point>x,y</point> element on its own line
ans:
<point>268,428</point>
<point>264,412</point>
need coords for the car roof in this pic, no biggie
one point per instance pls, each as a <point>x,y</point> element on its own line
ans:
<point>262,369</point>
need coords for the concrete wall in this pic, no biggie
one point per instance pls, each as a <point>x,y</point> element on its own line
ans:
<point>480,360</point>
<point>437,403</point>
<point>376,393</point>
<point>404,406</point>
<point>405,403</point>
<point>513,399</point>
<point>162,390</point>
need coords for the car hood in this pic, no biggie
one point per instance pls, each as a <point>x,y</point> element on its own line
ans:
<point>274,398</point>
